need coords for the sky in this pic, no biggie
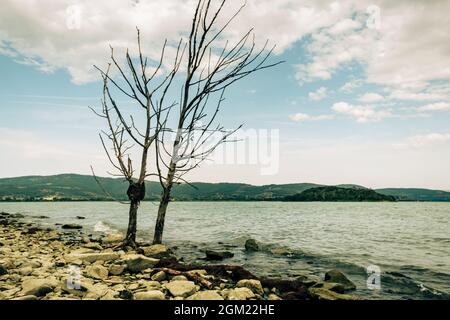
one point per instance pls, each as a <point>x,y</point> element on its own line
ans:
<point>363,95</point>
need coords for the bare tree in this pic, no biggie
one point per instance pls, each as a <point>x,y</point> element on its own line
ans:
<point>148,92</point>
<point>211,66</point>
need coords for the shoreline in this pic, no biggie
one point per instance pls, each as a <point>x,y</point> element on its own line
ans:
<point>47,264</point>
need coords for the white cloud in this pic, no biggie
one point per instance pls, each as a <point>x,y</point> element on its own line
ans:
<point>438,106</point>
<point>371,97</point>
<point>319,94</point>
<point>349,86</point>
<point>428,139</point>
<point>362,114</point>
<point>306,117</point>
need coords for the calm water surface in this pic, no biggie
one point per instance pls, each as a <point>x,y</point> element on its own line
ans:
<point>410,242</point>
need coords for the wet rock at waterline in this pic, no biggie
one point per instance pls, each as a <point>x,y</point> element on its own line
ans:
<point>337,276</point>
<point>218,255</point>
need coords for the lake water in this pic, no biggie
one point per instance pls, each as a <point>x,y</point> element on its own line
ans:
<point>408,241</point>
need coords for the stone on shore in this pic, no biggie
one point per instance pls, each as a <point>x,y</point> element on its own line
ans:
<point>337,276</point>
<point>181,288</point>
<point>29,297</point>
<point>325,294</point>
<point>116,269</point>
<point>218,255</point>
<point>251,245</point>
<point>3,270</point>
<point>149,295</point>
<point>273,297</point>
<point>137,262</point>
<point>92,257</point>
<point>71,226</point>
<point>205,295</point>
<point>157,251</point>
<point>97,272</point>
<point>254,285</point>
<point>38,287</point>
<point>159,276</point>
<point>238,294</point>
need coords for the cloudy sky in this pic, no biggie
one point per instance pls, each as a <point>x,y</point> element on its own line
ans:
<point>363,96</point>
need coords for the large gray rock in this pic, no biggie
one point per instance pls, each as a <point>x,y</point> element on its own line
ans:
<point>254,285</point>
<point>337,276</point>
<point>38,287</point>
<point>137,262</point>
<point>181,288</point>
<point>205,295</point>
<point>149,295</point>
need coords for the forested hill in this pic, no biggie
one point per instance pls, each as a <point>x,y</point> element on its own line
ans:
<point>84,187</point>
<point>338,194</point>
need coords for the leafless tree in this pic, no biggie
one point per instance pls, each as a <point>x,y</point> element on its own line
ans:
<point>212,65</point>
<point>148,93</point>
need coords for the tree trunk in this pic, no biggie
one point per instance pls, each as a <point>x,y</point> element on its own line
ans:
<point>130,238</point>
<point>159,227</point>
<point>136,193</point>
<point>163,203</point>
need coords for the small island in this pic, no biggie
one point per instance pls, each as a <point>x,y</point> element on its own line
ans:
<point>339,194</point>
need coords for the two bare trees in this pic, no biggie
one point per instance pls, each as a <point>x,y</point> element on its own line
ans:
<point>183,131</point>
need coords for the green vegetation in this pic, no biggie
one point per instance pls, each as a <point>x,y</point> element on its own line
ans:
<point>338,194</point>
<point>75,187</point>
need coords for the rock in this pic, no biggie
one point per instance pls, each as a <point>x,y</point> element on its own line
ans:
<point>150,295</point>
<point>93,245</point>
<point>137,262</point>
<point>38,287</point>
<point>157,251</point>
<point>3,270</point>
<point>336,287</point>
<point>159,276</point>
<point>181,288</point>
<point>116,269</point>
<point>152,285</point>
<point>218,255</point>
<point>71,226</point>
<point>97,272</point>
<point>337,276</point>
<point>92,257</point>
<point>126,295</point>
<point>81,217</point>
<point>324,294</point>
<point>180,277</point>
<point>254,285</point>
<point>273,297</point>
<point>112,238</point>
<point>284,252</point>
<point>251,245</point>
<point>25,271</point>
<point>205,295</point>
<point>238,294</point>
<point>29,297</point>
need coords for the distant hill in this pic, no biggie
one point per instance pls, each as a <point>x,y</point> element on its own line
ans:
<point>338,194</point>
<point>416,194</point>
<point>84,188</point>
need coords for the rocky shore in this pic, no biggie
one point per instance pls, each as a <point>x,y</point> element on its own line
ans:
<point>66,264</point>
